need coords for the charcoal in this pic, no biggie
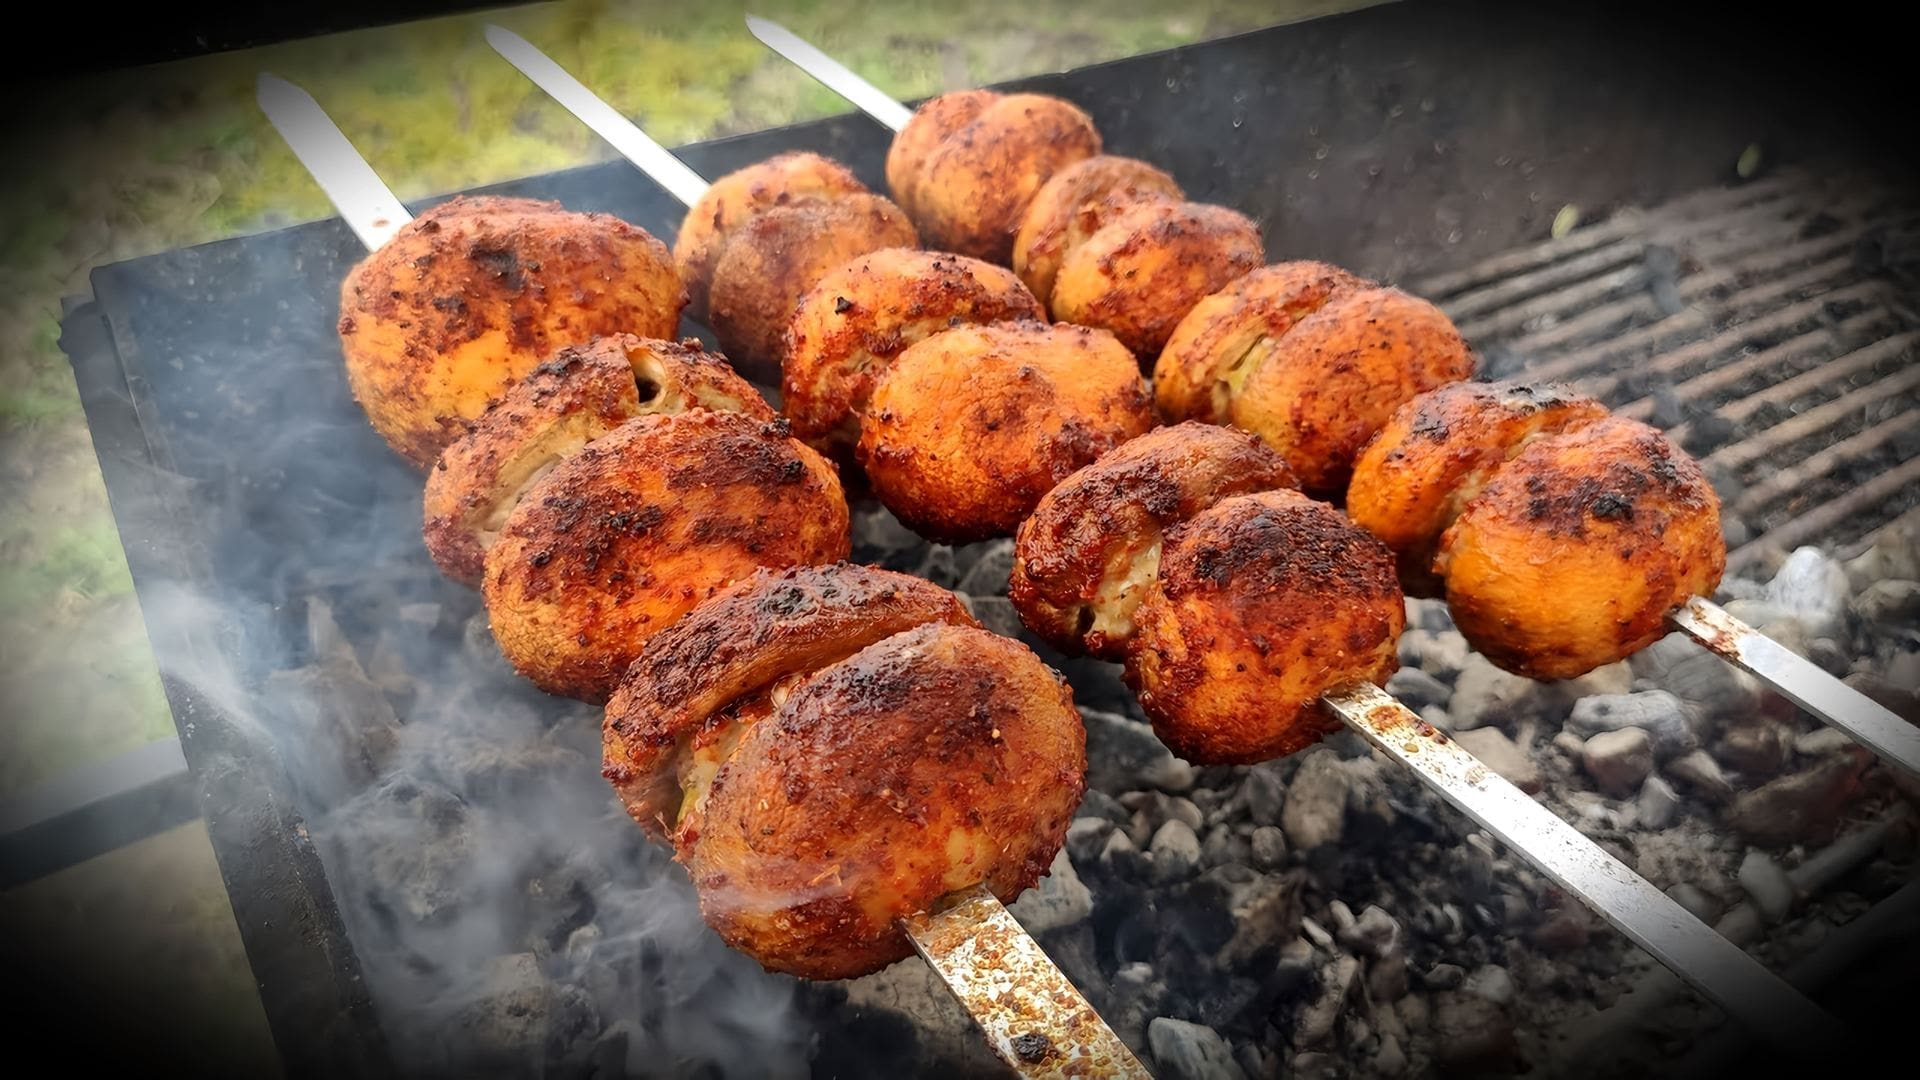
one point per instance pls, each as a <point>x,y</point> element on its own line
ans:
<point>1471,1032</point>
<point>1124,755</point>
<point>1264,791</point>
<point>1766,884</point>
<point>1060,900</point>
<point>1661,715</point>
<point>1223,846</point>
<point>984,568</point>
<point>410,846</point>
<point>996,613</point>
<point>1416,688</point>
<point>1267,847</point>
<point>1265,915</point>
<point>1484,695</point>
<point>1087,837</point>
<point>1497,752</point>
<point>1313,1025</point>
<point>1098,804</point>
<point>521,1021</point>
<point>334,726</point>
<point>1802,807</point>
<point>1184,1051</point>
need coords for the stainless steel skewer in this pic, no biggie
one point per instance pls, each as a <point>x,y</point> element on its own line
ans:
<point>370,208</point>
<point>1714,966</point>
<point>1033,1017</point>
<point>1819,693</point>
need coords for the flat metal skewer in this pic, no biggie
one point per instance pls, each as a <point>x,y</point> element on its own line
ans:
<point>370,208</point>
<point>1033,1017</point>
<point>1752,995</point>
<point>605,120</point>
<point>865,96</point>
<point>1798,679</point>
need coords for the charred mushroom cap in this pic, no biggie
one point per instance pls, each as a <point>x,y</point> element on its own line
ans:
<point>580,394</point>
<point>761,632</point>
<point>470,296</point>
<point>738,197</point>
<point>928,762</point>
<point>1311,359</point>
<point>772,260</point>
<point>1572,555</point>
<point>1143,268</point>
<point>1263,602</point>
<point>967,165</point>
<point>1085,559</point>
<point>969,428</point>
<point>1054,220</point>
<point>642,524</point>
<point>1438,451</point>
<point>859,317</point>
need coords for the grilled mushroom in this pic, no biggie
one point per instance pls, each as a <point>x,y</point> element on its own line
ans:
<point>640,525</point>
<point>470,296</point>
<point>1263,602</point>
<point>834,748</point>
<point>1309,357</point>
<point>968,164</point>
<point>858,318</point>
<point>580,394</point>
<point>1085,559</point>
<point>969,428</point>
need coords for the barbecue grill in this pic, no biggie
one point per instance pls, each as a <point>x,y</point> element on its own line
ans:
<point>366,761</point>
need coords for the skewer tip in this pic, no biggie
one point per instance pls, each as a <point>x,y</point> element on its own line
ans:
<point>268,86</point>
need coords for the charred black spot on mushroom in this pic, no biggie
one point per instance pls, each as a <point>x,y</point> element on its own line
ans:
<point>1612,506</point>
<point>1032,1047</point>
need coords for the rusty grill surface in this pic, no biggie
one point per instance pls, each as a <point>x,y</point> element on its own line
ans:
<point>1770,326</point>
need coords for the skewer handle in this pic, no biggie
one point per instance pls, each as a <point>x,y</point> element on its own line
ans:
<point>1755,997</point>
<point>1035,1019</point>
<point>606,121</point>
<point>834,75</point>
<point>1803,682</point>
<point>370,208</point>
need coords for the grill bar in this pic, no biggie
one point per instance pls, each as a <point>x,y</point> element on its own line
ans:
<point>1801,348</point>
<point>1626,223</point>
<point>1783,483</point>
<point>1817,522</point>
<point>1792,430</point>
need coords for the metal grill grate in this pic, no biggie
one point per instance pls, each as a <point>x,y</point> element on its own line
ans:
<point>1770,327</point>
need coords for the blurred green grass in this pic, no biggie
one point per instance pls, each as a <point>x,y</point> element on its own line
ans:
<point>151,159</point>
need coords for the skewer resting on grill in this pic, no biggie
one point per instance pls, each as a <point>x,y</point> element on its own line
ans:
<point>1796,678</point>
<point>1039,1025</point>
<point>1179,682</point>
